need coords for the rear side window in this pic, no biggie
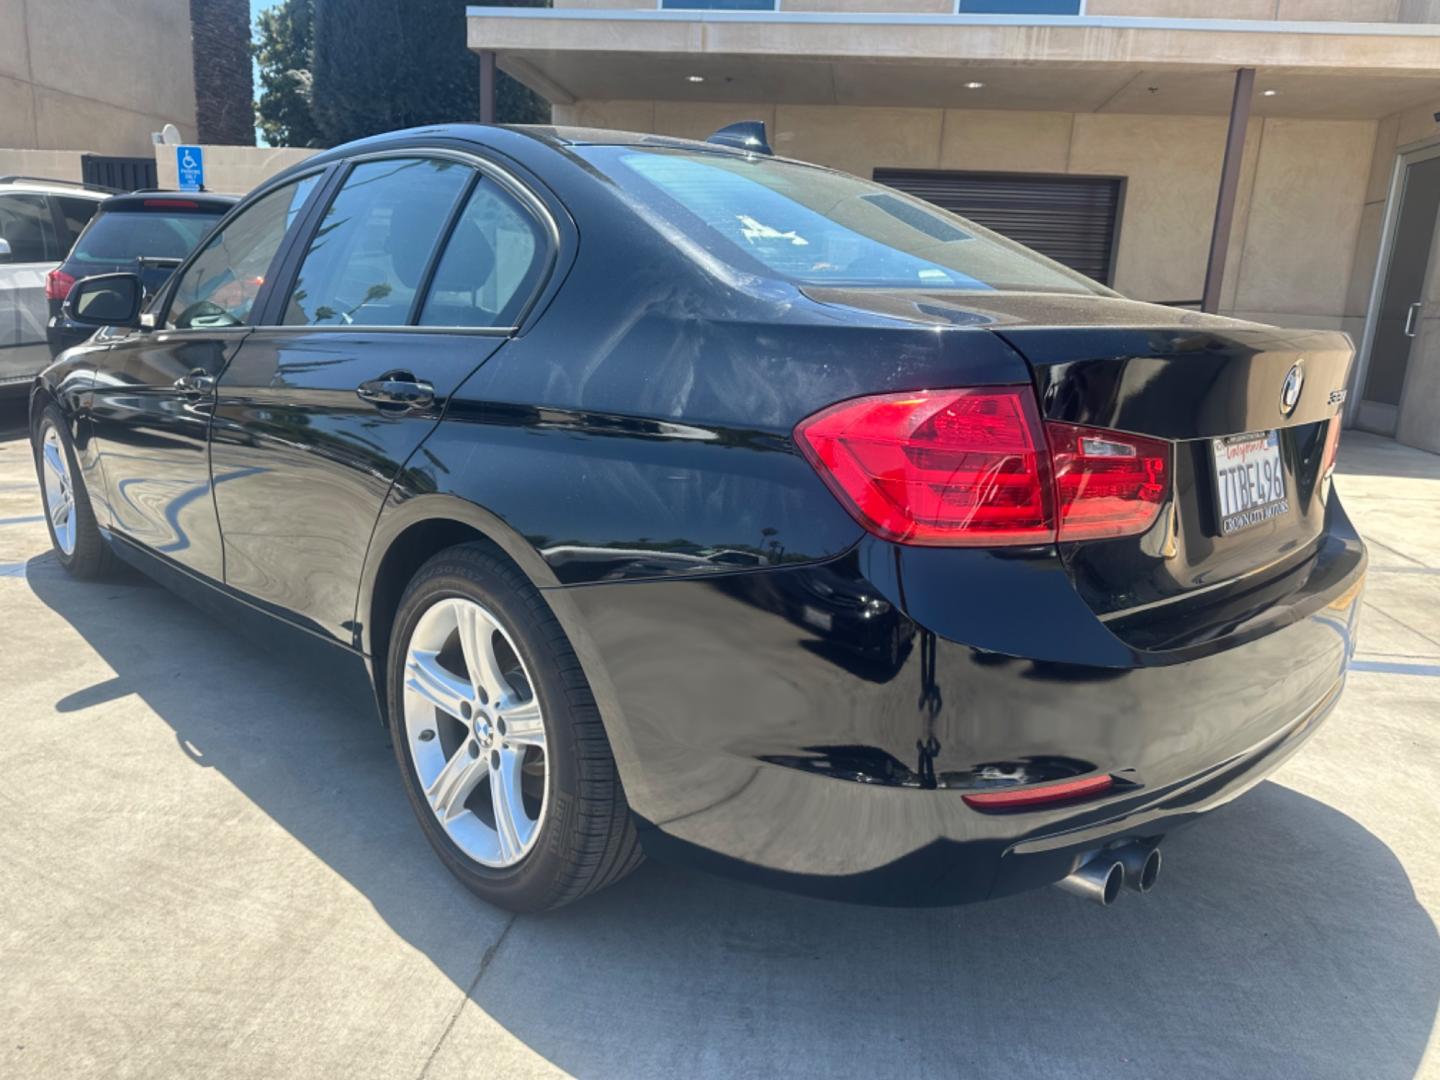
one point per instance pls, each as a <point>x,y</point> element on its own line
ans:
<point>118,237</point>
<point>26,225</point>
<point>492,263</point>
<point>370,252</point>
<point>220,285</point>
<point>75,214</point>
<point>817,227</point>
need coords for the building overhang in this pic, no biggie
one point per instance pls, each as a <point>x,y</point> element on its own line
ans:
<point>1069,64</point>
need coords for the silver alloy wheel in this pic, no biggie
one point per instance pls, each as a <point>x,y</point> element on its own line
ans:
<point>475,732</point>
<point>59,489</point>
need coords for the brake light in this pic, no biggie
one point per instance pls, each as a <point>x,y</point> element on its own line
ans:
<point>1039,795</point>
<point>1332,448</point>
<point>1107,483</point>
<point>58,284</point>
<point>945,467</point>
<point>174,204</point>
<point>975,468</point>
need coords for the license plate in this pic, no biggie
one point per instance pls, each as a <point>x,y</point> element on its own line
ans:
<point>1249,480</point>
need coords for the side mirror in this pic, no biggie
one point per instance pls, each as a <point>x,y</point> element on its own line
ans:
<point>5,253</point>
<point>106,300</point>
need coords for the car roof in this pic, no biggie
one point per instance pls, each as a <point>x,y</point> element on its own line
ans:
<point>157,199</point>
<point>47,186</point>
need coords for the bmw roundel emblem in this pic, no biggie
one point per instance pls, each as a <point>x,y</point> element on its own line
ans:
<point>1290,391</point>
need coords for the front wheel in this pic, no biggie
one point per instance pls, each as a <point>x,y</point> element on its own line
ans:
<point>73,533</point>
<point>500,744</point>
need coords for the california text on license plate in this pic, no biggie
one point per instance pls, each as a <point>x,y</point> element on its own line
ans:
<point>1249,480</point>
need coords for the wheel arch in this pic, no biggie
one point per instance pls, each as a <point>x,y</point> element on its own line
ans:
<point>407,535</point>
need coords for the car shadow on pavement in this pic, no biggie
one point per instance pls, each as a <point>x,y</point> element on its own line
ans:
<point>1284,938</point>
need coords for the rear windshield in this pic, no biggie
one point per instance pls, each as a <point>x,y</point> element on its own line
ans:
<point>817,227</point>
<point>122,235</point>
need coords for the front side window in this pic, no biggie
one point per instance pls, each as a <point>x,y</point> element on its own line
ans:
<point>220,286</point>
<point>26,225</point>
<point>492,263</point>
<point>374,244</point>
<point>817,227</point>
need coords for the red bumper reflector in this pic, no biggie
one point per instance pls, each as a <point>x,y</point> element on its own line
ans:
<point>1039,795</point>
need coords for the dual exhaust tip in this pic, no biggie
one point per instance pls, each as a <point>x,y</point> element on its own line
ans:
<point>1100,879</point>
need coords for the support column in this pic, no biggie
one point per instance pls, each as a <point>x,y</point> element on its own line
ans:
<point>487,86</point>
<point>1229,187</point>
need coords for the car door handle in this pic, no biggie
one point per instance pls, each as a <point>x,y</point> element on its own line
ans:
<point>397,390</point>
<point>196,382</point>
<point>1410,317</point>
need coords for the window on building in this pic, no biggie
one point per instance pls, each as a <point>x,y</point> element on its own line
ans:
<point>492,263</point>
<point>719,5</point>
<point>373,246</point>
<point>1020,7</point>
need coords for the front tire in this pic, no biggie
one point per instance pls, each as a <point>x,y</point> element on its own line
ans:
<point>75,536</point>
<point>500,745</point>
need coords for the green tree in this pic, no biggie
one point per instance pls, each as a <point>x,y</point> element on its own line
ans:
<point>283,53</point>
<point>360,69</point>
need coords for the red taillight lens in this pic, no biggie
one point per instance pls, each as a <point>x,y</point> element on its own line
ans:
<point>975,468</point>
<point>176,204</point>
<point>943,467</point>
<point>1332,448</point>
<point>1039,795</point>
<point>1107,483</point>
<point>58,284</point>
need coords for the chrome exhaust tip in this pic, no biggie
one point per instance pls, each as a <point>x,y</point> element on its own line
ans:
<point>1098,880</point>
<point>1142,866</point>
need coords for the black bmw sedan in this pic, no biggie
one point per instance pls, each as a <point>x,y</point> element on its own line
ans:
<point>675,498</point>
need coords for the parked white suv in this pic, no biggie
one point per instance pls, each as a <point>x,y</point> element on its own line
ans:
<point>39,220</point>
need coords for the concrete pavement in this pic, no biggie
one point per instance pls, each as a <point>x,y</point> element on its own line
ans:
<point>207,868</point>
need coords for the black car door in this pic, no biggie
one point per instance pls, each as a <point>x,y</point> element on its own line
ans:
<point>155,389</point>
<point>414,274</point>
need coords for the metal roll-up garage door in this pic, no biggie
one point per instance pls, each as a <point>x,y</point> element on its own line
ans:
<point>1072,219</point>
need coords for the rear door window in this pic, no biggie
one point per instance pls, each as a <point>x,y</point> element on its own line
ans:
<point>370,253</point>
<point>492,264</point>
<point>26,225</point>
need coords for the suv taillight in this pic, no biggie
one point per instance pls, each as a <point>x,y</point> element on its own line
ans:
<point>58,284</point>
<point>1332,447</point>
<point>976,468</point>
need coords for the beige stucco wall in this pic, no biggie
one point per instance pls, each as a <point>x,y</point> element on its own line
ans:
<point>1282,267</point>
<point>50,164</point>
<point>231,170</point>
<point>97,75</point>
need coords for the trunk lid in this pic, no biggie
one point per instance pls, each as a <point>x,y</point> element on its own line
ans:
<point>1191,379</point>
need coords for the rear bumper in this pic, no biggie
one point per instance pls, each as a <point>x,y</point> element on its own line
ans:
<point>815,728</point>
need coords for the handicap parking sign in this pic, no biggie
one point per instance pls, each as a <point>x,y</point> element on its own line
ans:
<point>190,166</point>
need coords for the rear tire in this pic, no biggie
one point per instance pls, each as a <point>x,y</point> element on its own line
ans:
<point>74,535</point>
<point>529,815</point>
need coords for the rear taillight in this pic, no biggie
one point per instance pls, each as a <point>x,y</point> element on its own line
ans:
<point>1107,483</point>
<point>58,284</point>
<point>938,467</point>
<point>1332,448</point>
<point>973,468</point>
